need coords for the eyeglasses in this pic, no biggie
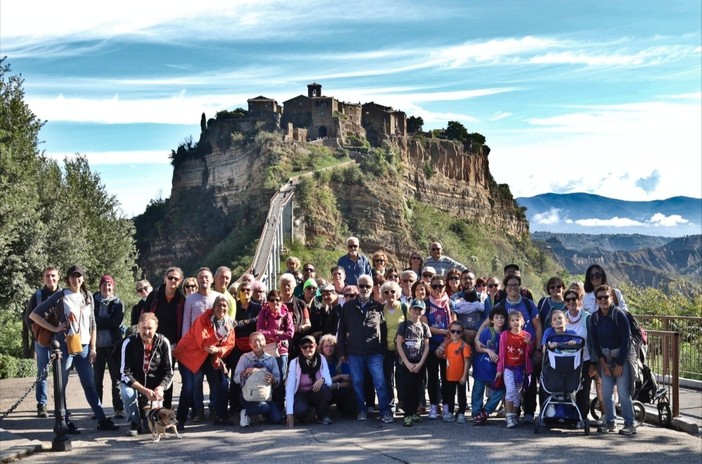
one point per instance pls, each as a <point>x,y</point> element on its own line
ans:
<point>311,288</point>
<point>596,275</point>
<point>437,286</point>
<point>456,331</point>
<point>349,295</point>
<point>364,286</point>
<point>436,249</point>
<point>307,346</point>
<point>308,269</point>
<point>455,278</point>
<point>352,246</point>
<point>417,258</point>
<point>245,289</point>
<point>570,300</point>
<point>144,289</point>
<point>493,285</point>
<point>337,273</point>
<point>554,287</point>
<point>389,292</point>
<point>602,297</point>
<point>190,286</point>
<point>173,278</point>
<point>274,300</point>
<point>427,274</point>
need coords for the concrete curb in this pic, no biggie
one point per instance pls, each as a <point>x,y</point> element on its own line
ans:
<point>14,447</point>
<point>678,423</point>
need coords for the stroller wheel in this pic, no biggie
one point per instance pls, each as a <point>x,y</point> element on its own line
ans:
<point>665,417</point>
<point>595,408</point>
<point>639,413</point>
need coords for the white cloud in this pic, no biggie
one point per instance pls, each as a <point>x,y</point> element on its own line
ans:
<point>548,218</point>
<point>612,222</point>
<point>661,220</point>
<point>107,158</point>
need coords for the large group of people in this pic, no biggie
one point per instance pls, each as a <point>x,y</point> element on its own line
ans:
<point>429,338</point>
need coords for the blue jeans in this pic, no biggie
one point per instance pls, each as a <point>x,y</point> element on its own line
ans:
<point>81,363</point>
<point>185,401</point>
<point>133,403</point>
<point>269,410</point>
<point>198,394</point>
<point>478,393</point>
<point>374,363</point>
<point>43,357</point>
<point>623,383</point>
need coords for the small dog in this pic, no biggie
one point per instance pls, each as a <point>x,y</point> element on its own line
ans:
<point>160,420</point>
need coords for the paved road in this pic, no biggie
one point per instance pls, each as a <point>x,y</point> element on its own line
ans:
<point>344,441</point>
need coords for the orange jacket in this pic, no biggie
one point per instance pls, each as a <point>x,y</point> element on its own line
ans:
<point>190,350</point>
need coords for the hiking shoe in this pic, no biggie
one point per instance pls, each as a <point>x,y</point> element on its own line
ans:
<point>119,414</point>
<point>528,419</point>
<point>433,412</point>
<point>448,417</point>
<point>326,420</point>
<point>41,411</point>
<point>461,418</point>
<point>387,419</point>
<point>107,424</point>
<point>198,414</point>
<point>134,429</point>
<point>628,430</point>
<point>72,429</point>
<point>407,422</point>
<point>416,418</point>
<point>362,416</point>
<point>244,419</point>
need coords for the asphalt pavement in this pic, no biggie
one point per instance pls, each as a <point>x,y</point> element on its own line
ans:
<point>28,439</point>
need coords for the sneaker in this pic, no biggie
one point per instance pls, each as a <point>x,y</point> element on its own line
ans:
<point>607,427</point>
<point>461,418</point>
<point>416,418</point>
<point>119,414</point>
<point>407,422</point>
<point>628,430</point>
<point>72,429</point>
<point>133,429</point>
<point>41,411</point>
<point>326,420</point>
<point>511,422</point>
<point>421,410</point>
<point>198,414</point>
<point>433,412</point>
<point>107,424</point>
<point>244,419</point>
<point>448,417</point>
<point>387,419</point>
<point>362,416</point>
<point>528,418</point>
<point>370,410</point>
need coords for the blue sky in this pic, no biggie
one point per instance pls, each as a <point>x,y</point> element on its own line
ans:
<point>600,97</point>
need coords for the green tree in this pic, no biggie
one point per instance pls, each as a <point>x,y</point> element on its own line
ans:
<point>414,124</point>
<point>456,131</point>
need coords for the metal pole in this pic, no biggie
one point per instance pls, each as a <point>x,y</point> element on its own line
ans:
<point>62,441</point>
<point>676,374</point>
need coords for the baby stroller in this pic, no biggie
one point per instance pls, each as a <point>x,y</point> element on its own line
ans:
<point>646,391</point>
<point>561,378</point>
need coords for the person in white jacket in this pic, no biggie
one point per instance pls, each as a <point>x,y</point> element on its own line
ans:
<point>308,385</point>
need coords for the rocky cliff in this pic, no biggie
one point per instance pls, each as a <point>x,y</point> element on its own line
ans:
<point>219,201</point>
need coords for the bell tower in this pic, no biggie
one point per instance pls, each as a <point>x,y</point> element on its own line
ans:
<point>314,90</point>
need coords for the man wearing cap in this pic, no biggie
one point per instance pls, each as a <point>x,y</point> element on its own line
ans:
<point>428,273</point>
<point>362,339</point>
<point>109,313</point>
<point>354,262</point>
<point>440,262</point>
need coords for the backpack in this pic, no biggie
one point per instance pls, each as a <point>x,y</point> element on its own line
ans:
<point>41,335</point>
<point>639,337</point>
<point>256,389</point>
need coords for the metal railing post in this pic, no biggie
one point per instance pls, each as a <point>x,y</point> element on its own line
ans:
<point>62,441</point>
<point>676,373</point>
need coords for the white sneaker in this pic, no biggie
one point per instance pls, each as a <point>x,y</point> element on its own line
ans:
<point>448,417</point>
<point>244,420</point>
<point>511,422</point>
<point>461,419</point>
<point>433,412</point>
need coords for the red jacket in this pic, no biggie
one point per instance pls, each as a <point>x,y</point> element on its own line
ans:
<point>190,350</point>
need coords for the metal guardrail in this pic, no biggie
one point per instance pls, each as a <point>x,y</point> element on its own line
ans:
<point>663,358</point>
<point>690,330</point>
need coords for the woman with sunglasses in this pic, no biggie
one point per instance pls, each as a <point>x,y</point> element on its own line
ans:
<point>594,277</point>
<point>438,317</point>
<point>611,341</point>
<point>554,289</point>
<point>416,263</point>
<point>395,313</point>
<point>190,286</point>
<point>453,282</point>
<point>379,261</point>
<point>578,321</point>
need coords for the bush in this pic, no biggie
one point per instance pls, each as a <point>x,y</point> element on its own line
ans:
<point>11,367</point>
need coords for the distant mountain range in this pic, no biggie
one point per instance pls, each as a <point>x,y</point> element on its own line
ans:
<point>593,214</point>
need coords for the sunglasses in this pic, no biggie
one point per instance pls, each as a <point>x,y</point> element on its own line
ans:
<point>349,295</point>
<point>596,275</point>
<point>493,285</point>
<point>455,278</point>
<point>389,292</point>
<point>312,289</point>
<point>307,346</point>
<point>570,300</point>
<point>244,289</point>
<point>378,260</point>
<point>274,300</point>
<point>308,269</point>
<point>408,281</point>
<point>418,258</point>
<point>437,287</point>
<point>393,276</point>
<point>173,278</point>
<point>456,331</point>
<point>364,286</point>
<point>427,274</point>
<point>352,246</point>
<point>436,249</point>
<point>554,287</point>
<point>187,286</point>
<point>144,289</point>
<point>603,297</point>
